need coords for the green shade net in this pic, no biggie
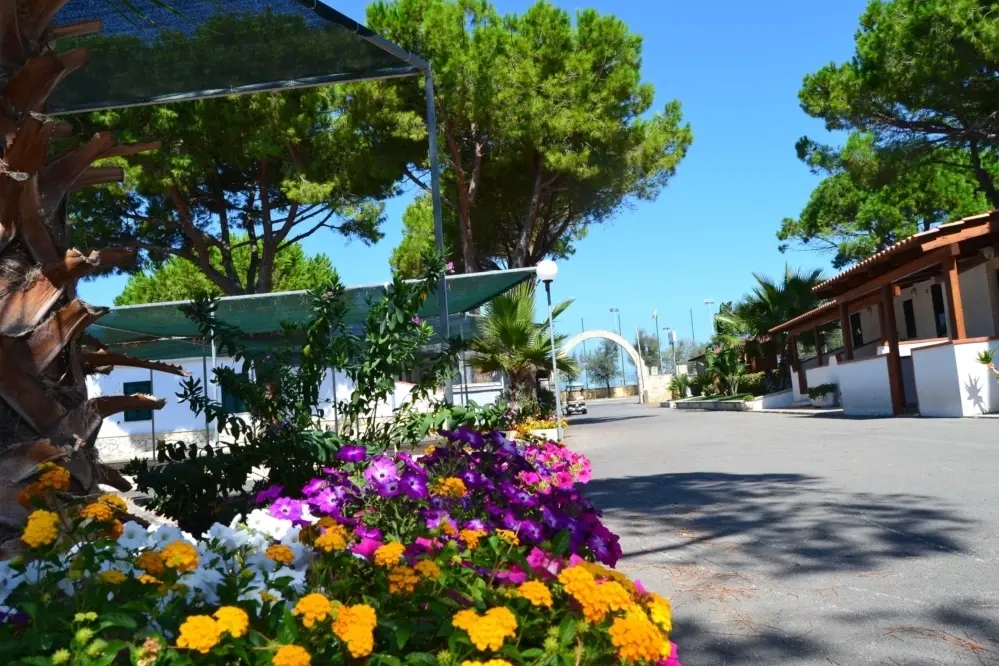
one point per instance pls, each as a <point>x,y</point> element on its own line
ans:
<point>146,53</point>
<point>160,331</point>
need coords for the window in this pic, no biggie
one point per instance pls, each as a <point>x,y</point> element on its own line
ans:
<point>856,331</point>
<point>132,415</point>
<point>939,316</point>
<point>910,319</point>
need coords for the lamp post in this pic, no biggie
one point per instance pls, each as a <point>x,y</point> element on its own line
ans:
<point>546,271</point>
<point>671,334</point>
<point>659,340</point>
<point>711,317</point>
<point>624,381</point>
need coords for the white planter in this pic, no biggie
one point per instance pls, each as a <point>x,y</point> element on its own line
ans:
<point>546,433</point>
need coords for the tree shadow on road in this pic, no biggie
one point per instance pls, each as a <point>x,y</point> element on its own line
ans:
<point>699,643</point>
<point>586,420</point>
<point>788,524</point>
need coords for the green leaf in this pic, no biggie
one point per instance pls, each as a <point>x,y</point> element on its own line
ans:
<point>560,544</point>
<point>118,620</point>
<point>421,659</point>
<point>402,634</point>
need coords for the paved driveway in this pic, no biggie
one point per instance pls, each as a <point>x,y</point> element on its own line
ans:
<point>795,540</point>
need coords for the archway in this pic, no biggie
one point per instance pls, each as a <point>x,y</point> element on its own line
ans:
<point>617,339</point>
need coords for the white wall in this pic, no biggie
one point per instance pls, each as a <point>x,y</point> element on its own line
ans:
<point>826,374</point>
<point>975,299</point>
<point>795,389</point>
<point>951,382</point>
<point>864,387</point>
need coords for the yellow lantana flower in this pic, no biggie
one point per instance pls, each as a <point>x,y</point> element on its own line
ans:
<point>41,529</point>
<point>402,579</point>
<point>355,626</point>
<point>312,608</point>
<point>180,555</point>
<point>292,655</point>
<point>102,513</point>
<point>113,577</point>
<point>233,620</point>
<point>199,632</point>
<point>390,554</point>
<point>151,562</point>
<point>280,553</point>
<point>536,592</point>
<point>488,631</point>
<point>428,569</point>
<point>637,639</point>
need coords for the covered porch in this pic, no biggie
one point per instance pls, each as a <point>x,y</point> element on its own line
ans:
<point>901,331</point>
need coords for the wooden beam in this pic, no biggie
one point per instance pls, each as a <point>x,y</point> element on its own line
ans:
<point>844,319</point>
<point>889,324</point>
<point>818,346</point>
<point>952,239</point>
<point>955,309</point>
<point>886,279</point>
<point>77,29</point>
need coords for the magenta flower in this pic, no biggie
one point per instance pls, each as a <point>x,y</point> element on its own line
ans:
<point>286,508</point>
<point>350,453</point>
<point>450,267</point>
<point>414,485</point>
<point>366,532</point>
<point>268,494</point>
<point>382,469</point>
<point>387,489</point>
<point>366,547</point>
<point>313,487</point>
<point>673,659</point>
<point>416,321</point>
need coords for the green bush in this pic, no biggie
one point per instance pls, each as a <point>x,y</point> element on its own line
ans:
<point>752,383</point>
<point>821,390</point>
<point>678,386</point>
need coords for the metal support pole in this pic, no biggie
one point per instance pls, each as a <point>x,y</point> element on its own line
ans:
<point>336,407</point>
<point>624,380</point>
<point>551,333</point>
<point>152,412</point>
<point>215,386</point>
<point>435,190</point>
<point>204,375</point>
<point>693,336</point>
<point>659,344</point>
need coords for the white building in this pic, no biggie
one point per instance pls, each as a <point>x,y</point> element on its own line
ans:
<point>915,318</point>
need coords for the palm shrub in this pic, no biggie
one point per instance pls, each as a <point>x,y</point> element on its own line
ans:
<point>726,365</point>
<point>678,386</point>
<point>511,341</point>
<point>769,304</point>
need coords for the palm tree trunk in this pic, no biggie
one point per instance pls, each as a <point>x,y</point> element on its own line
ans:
<point>45,414</point>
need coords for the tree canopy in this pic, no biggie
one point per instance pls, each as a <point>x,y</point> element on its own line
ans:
<point>647,346</point>
<point>602,363</point>
<point>273,167</point>
<point>177,279</point>
<point>919,98</point>
<point>545,126</point>
<point>872,197</point>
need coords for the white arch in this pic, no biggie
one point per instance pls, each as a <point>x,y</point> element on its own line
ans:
<point>613,337</point>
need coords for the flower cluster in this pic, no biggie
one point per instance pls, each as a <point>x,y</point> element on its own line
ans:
<point>458,555</point>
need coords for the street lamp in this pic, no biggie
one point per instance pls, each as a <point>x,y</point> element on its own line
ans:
<point>624,381</point>
<point>546,271</point>
<point>711,317</point>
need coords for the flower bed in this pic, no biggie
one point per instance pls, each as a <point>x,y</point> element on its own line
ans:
<point>478,552</point>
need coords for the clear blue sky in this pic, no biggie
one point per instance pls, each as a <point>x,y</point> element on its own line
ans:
<point>737,68</point>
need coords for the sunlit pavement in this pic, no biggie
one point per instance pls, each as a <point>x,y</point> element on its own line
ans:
<point>793,540</point>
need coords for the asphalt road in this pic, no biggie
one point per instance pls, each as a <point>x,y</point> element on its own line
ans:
<point>795,540</point>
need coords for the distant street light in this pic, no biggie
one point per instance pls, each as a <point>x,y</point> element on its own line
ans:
<point>546,271</point>
<point>711,317</point>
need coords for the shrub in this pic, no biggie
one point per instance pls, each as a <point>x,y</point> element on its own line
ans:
<point>356,568</point>
<point>821,390</point>
<point>753,382</point>
<point>678,386</point>
<point>199,485</point>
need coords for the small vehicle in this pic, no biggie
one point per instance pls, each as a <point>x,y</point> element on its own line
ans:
<point>575,400</point>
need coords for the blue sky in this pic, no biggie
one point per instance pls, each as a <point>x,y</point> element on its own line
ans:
<point>737,68</point>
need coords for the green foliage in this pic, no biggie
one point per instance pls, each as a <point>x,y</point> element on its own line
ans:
<point>679,385</point>
<point>510,340</point>
<point>770,304</point>
<point>417,238</point>
<point>602,363</point>
<point>872,197</point>
<point>284,430</point>
<point>726,365</point>
<point>821,390</point>
<point>546,127</point>
<point>703,384</point>
<point>493,416</point>
<point>922,80</point>
<point>276,167</point>
<point>684,349</point>
<point>647,345</point>
<point>753,382</point>
<point>179,280</point>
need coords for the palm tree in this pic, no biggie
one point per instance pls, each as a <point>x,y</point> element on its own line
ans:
<point>45,413</point>
<point>771,303</point>
<point>510,340</point>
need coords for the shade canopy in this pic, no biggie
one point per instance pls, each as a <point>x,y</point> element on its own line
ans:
<point>144,52</point>
<point>160,331</point>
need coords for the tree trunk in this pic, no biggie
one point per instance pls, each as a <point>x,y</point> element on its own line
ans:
<point>45,415</point>
<point>466,195</point>
<point>527,226</point>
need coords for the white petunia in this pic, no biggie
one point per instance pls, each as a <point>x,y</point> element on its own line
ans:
<point>264,523</point>
<point>294,579</point>
<point>133,536</point>
<point>162,535</point>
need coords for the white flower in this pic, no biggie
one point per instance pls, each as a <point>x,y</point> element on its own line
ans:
<point>133,536</point>
<point>295,579</point>
<point>67,588</point>
<point>9,580</point>
<point>122,566</point>
<point>204,583</point>
<point>264,523</point>
<point>227,537</point>
<point>162,535</point>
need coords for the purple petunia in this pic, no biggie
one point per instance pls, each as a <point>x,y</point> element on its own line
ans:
<point>476,524</point>
<point>531,531</point>
<point>314,486</point>
<point>415,320</point>
<point>414,485</point>
<point>382,469</point>
<point>287,508</point>
<point>325,501</point>
<point>386,489</point>
<point>268,494</point>
<point>351,453</point>
<point>604,545</point>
